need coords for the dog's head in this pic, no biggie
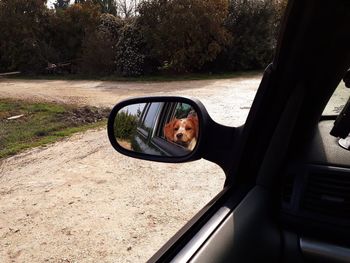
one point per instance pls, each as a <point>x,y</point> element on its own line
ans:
<point>182,131</point>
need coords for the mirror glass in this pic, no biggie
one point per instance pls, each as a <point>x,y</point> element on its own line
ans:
<point>157,128</point>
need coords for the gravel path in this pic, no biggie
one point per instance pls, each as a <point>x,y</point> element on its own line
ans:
<point>80,201</point>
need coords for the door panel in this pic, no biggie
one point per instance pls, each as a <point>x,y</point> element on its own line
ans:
<point>248,234</point>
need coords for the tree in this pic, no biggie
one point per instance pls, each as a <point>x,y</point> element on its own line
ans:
<point>99,47</point>
<point>185,34</point>
<point>21,28</point>
<point>126,8</point>
<point>132,57</point>
<point>63,4</point>
<point>68,27</point>
<point>253,25</point>
<point>108,6</point>
<point>125,125</point>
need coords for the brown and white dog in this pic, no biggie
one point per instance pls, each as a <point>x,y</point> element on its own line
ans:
<point>183,131</point>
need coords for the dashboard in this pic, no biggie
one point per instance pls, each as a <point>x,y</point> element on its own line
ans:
<point>315,210</point>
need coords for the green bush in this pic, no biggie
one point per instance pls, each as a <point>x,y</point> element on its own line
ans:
<point>168,35</point>
<point>125,125</point>
<point>253,26</point>
<point>99,47</point>
<point>116,46</point>
<point>20,34</point>
<point>131,54</point>
<point>29,56</point>
<point>67,29</point>
<point>183,35</point>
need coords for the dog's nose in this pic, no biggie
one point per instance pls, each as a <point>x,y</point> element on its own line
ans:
<point>179,135</point>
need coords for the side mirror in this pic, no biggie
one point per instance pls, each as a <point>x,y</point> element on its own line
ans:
<point>165,129</point>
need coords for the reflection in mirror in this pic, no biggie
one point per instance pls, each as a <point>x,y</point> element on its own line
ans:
<point>157,128</point>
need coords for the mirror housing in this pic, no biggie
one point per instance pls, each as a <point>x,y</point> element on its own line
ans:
<point>139,108</point>
<point>214,143</point>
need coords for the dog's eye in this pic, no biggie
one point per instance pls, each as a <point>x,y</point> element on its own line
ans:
<point>176,129</point>
<point>188,128</point>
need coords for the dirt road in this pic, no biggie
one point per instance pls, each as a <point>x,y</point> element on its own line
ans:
<point>79,201</point>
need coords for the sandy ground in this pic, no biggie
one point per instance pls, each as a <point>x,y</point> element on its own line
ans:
<point>80,201</point>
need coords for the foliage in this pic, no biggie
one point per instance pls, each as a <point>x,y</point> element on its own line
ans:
<point>66,29</point>
<point>20,29</point>
<point>106,6</point>
<point>184,33</point>
<point>125,125</point>
<point>99,47</point>
<point>180,36</point>
<point>115,46</point>
<point>131,55</point>
<point>61,4</point>
<point>253,25</point>
<point>126,8</point>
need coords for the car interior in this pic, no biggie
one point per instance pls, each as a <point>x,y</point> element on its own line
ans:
<point>287,193</point>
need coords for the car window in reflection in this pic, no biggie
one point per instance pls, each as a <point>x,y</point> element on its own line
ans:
<point>151,115</point>
<point>158,128</point>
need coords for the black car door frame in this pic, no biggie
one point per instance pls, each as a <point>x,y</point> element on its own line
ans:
<point>311,57</point>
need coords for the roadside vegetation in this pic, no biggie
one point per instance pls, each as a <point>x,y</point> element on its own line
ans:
<point>165,77</point>
<point>30,124</point>
<point>148,37</point>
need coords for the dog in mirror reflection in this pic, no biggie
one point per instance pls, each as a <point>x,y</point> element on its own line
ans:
<point>183,131</point>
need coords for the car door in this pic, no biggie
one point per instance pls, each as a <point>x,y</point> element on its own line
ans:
<point>243,223</point>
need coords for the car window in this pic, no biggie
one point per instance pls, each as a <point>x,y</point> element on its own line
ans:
<point>150,119</point>
<point>151,115</point>
<point>165,116</point>
<point>136,110</point>
<point>182,110</point>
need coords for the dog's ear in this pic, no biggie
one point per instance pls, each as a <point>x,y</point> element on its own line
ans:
<point>194,120</point>
<point>169,130</point>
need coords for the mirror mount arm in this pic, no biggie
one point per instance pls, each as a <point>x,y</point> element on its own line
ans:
<point>212,147</point>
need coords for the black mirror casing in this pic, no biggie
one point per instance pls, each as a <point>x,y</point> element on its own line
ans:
<point>202,115</point>
<point>215,143</point>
